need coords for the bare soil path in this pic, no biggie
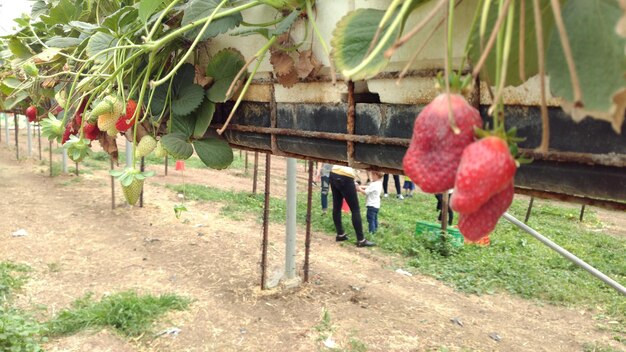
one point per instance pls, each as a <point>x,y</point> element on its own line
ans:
<point>215,261</point>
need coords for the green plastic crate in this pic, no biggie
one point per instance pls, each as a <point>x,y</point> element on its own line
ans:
<point>433,230</point>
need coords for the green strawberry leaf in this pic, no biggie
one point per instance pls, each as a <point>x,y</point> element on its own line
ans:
<point>148,173</point>
<point>63,42</point>
<point>531,66</point>
<point>178,209</point>
<point>147,8</point>
<point>18,48</point>
<point>187,99</point>
<point>204,116</point>
<point>284,25</point>
<point>351,42</point>
<point>62,13</point>
<point>223,68</point>
<point>201,9</point>
<point>214,153</point>
<point>98,43</point>
<point>597,50</point>
<point>116,173</point>
<point>177,145</point>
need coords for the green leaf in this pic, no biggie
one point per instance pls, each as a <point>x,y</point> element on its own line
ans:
<point>223,68</point>
<point>176,145</point>
<point>84,27</point>
<point>203,118</point>
<point>99,42</point>
<point>119,21</point>
<point>147,8</point>
<point>39,8</point>
<point>531,66</point>
<point>201,9</point>
<point>183,124</point>
<point>214,153</point>
<point>352,38</point>
<point>62,13</point>
<point>188,98</point>
<point>599,56</point>
<point>284,25</point>
<point>19,49</point>
<point>63,42</point>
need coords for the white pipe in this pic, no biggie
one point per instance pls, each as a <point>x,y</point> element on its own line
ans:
<point>290,241</point>
<point>29,139</point>
<point>562,251</point>
<point>64,160</point>
<point>129,154</point>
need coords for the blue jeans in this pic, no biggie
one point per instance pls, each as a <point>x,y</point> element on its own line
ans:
<point>325,180</point>
<point>372,219</point>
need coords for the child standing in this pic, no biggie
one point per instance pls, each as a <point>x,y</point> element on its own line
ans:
<point>408,187</point>
<point>372,201</point>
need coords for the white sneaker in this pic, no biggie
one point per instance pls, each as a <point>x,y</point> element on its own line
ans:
<point>400,197</point>
<point>386,195</point>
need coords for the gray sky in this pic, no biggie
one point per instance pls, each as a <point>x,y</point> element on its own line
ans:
<point>10,9</point>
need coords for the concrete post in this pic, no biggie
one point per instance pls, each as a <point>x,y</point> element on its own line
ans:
<point>64,160</point>
<point>129,154</point>
<point>29,139</point>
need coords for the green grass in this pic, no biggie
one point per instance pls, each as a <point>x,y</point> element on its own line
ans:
<point>514,262</point>
<point>128,313</point>
<point>12,277</point>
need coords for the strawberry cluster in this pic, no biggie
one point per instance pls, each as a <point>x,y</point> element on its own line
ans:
<point>440,158</point>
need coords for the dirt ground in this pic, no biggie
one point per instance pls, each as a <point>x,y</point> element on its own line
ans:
<point>77,244</point>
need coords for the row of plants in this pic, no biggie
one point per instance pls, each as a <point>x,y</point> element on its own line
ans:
<point>93,69</point>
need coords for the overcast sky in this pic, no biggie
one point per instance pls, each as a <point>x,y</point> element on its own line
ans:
<point>10,9</point>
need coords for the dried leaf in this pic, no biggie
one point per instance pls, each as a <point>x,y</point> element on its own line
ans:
<point>289,79</point>
<point>615,115</point>
<point>282,62</point>
<point>305,66</point>
<point>201,78</point>
<point>49,83</point>
<point>108,145</point>
<point>142,130</point>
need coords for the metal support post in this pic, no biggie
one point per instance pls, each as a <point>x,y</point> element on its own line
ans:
<point>64,160</point>
<point>50,151</point>
<point>112,186</point>
<point>290,238</point>
<point>307,240</point>
<point>39,139</point>
<point>142,169</point>
<point>582,213</point>
<point>6,128</point>
<point>266,219</point>
<point>166,162</point>
<point>17,129</point>
<point>530,208</point>
<point>129,154</point>
<point>256,171</point>
<point>29,139</point>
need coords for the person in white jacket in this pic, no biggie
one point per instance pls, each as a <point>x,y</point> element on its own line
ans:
<point>372,192</point>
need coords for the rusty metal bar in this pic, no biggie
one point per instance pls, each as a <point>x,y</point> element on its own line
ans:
<point>307,240</point>
<point>403,142</point>
<point>266,219</point>
<point>142,168</point>
<point>351,118</point>
<point>50,150</point>
<point>112,185</point>
<point>166,162</point>
<point>611,159</point>
<point>246,167</point>
<point>601,203</point>
<point>255,172</point>
<point>582,213</point>
<point>76,168</point>
<point>530,208</point>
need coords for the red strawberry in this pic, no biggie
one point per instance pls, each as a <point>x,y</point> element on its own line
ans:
<point>31,113</point>
<point>486,168</point>
<point>91,131</point>
<point>66,134</point>
<point>127,121</point>
<point>435,150</point>
<point>480,223</point>
<point>78,119</point>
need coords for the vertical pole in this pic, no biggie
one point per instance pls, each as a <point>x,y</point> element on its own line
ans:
<point>50,150</point>
<point>530,208</point>
<point>29,140</point>
<point>39,138</point>
<point>129,154</point>
<point>76,168</point>
<point>166,162</point>
<point>112,186</point>
<point>444,211</point>
<point>17,129</point>
<point>290,239</point>
<point>6,129</point>
<point>64,160</point>
<point>307,241</point>
<point>142,168</point>
<point>256,171</point>
<point>582,213</point>
<point>266,219</point>
<point>246,167</point>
